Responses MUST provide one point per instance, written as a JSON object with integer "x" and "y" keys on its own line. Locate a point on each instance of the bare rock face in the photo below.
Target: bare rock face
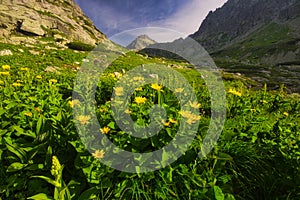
{"x": 46, "y": 18}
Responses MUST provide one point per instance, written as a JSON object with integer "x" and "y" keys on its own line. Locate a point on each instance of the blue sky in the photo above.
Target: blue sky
{"x": 115, "y": 16}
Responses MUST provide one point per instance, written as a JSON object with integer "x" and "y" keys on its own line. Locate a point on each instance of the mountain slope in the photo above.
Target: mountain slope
{"x": 141, "y": 42}
{"x": 61, "y": 19}
{"x": 258, "y": 32}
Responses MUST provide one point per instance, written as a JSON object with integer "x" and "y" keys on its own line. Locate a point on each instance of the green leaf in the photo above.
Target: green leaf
{"x": 19, "y": 152}
{"x": 40, "y": 124}
{"x": 15, "y": 167}
{"x": 49, "y": 180}
{"x": 40, "y": 196}
{"x": 111, "y": 125}
{"x": 219, "y": 195}
{"x": 89, "y": 194}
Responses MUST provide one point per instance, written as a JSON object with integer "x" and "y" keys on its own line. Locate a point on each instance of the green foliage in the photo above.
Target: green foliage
{"x": 257, "y": 155}
{"x": 80, "y": 46}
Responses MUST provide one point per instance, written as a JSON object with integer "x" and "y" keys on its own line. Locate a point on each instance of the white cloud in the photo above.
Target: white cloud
{"x": 188, "y": 18}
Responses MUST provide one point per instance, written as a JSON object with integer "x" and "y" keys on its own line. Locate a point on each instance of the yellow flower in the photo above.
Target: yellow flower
{"x": 73, "y": 103}
{"x": 83, "y": 119}
{"x": 119, "y": 91}
{"x": 193, "y": 119}
{"x": 185, "y": 113}
{"x": 179, "y": 90}
{"x": 139, "y": 89}
{"x": 38, "y": 109}
{"x": 105, "y": 130}
{"x": 16, "y": 84}
{"x": 6, "y": 67}
{"x": 140, "y": 100}
{"x": 127, "y": 111}
{"x": 38, "y": 76}
{"x": 165, "y": 123}
{"x": 173, "y": 121}
{"x": 98, "y": 154}
{"x": 4, "y": 73}
{"x": 286, "y": 113}
{"x": 264, "y": 101}
{"x": 28, "y": 114}
{"x": 138, "y": 78}
{"x": 195, "y": 104}
{"x": 24, "y": 69}
{"x": 156, "y": 86}
{"x": 234, "y": 92}
{"x": 52, "y": 81}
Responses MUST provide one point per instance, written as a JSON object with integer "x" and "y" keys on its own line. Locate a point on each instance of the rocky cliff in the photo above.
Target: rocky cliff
{"x": 62, "y": 20}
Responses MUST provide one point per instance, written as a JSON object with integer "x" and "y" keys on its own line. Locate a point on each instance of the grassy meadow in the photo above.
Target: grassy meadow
{"x": 42, "y": 157}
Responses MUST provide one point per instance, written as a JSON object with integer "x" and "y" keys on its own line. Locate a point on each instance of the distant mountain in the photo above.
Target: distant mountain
{"x": 141, "y": 42}
{"x": 257, "y": 32}
{"x": 28, "y": 21}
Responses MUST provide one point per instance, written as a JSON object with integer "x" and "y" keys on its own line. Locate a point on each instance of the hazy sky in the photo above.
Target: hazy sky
{"x": 115, "y": 16}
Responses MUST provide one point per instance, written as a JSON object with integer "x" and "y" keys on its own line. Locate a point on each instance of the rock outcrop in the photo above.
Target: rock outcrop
{"x": 59, "y": 19}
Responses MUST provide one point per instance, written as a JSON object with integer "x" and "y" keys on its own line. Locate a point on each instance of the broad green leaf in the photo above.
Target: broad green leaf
{"x": 19, "y": 152}
{"x": 15, "y": 167}
{"x": 218, "y": 193}
{"x": 40, "y": 196}
{"x": 89, "y": 194}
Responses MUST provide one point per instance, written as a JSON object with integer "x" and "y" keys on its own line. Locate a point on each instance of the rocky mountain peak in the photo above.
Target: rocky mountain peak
{"x": 141, "y": 42}
{"x": 60, "y": 19}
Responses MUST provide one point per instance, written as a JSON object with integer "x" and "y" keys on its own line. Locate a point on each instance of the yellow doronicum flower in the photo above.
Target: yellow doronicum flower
{"x": 24, "y": 69}
{"x": 105, "y": 130}
{"x": 234, "y": 92}
{"x": 83, "y": 119}
{"x": 264, "y": 101}
{"x": 138, "y": 78}
{"x": 195, "y": 104}
{"x": 16, "y": 84}
{"x": 286, "y": 113}
{"x": 38, "y": 76}
{"x": 119, "y": 91}
{"x": 179, "y": 90}
{"x": 28, "y": 114}
{"x": 98, "y": 154}
{"x": 140, "y": 100}
{"x": 185, "y": 113}
{"x": 156, "y": 87}
{"x": 127, "y": 111}
{"x": 6, "y": 67}
{"x": 173, "y": 121}
{"x": 165, "y": 123}
{"x": 52, "y": 81}
{"x": 139, "y": 89}
{"x": 73, "y": 103}
{"x": 193, "y": 119}
{"x": 4, "y": 73}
